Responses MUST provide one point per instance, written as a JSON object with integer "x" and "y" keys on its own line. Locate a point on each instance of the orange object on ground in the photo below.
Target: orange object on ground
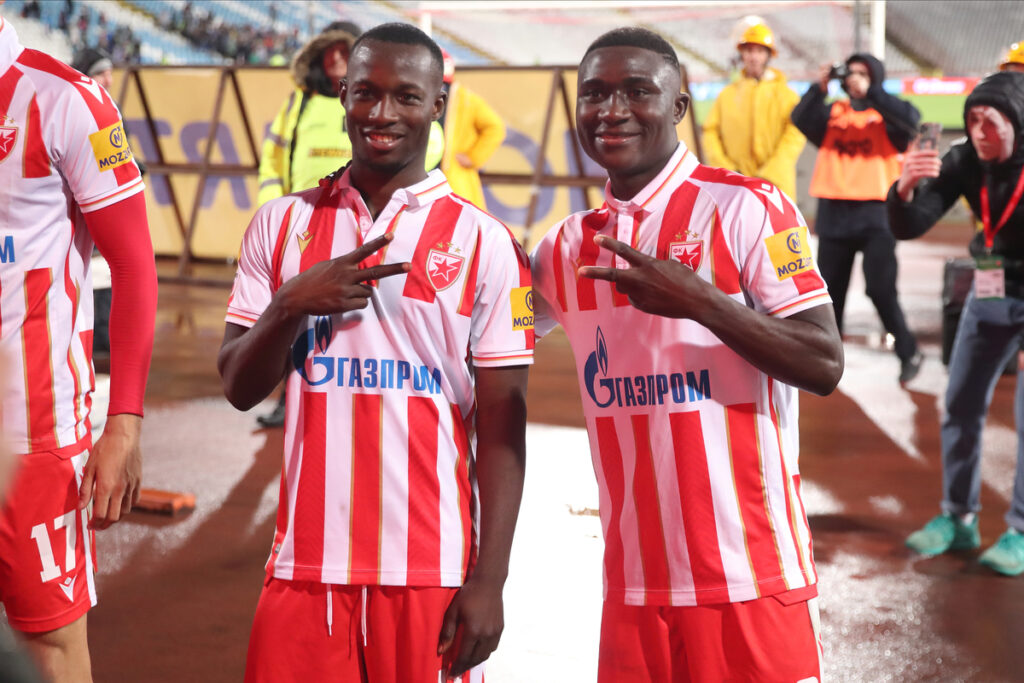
{"x": 164, "y": 502}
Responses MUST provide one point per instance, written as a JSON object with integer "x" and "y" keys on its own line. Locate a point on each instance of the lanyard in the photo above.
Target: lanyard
{"x": 986, "y": 218}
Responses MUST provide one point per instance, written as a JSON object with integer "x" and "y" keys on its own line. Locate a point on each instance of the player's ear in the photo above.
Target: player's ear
{"x": 680, "y": 106}
{"x": 439, "y": 103}
{"x": 342, "y": 90}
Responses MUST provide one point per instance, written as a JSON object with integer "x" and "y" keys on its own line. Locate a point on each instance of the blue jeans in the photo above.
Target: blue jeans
{"x": 986, "y": 339}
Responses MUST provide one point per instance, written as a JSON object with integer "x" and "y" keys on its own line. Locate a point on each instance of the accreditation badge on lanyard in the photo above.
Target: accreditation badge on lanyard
{"x": 989, "y": 275}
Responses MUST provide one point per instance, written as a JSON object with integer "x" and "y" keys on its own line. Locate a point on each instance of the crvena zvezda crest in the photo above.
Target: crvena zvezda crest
{"x": 690, "y": 254}
{"x": 8, "y": 136}
{"x": 443, "y": 268}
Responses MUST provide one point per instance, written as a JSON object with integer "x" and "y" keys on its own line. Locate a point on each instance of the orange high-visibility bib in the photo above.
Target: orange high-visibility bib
{"x": 856, "y": 160}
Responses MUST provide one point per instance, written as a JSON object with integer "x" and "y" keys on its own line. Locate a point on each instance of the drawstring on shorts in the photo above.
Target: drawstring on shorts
{"x": 364, "y": 616}
{"x": 330, "y": 612}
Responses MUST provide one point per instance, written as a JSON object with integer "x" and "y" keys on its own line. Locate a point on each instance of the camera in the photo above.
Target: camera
{"x": 839, "y": 70}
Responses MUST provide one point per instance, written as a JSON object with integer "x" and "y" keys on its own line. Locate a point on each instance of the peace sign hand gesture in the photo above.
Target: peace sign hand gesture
{"x": 339, "y": 284}
{"x": 665, "y": 288}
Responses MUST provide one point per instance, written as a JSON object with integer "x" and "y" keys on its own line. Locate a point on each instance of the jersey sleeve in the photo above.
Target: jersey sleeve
{"x": 778, "y": 271}
{"x": 545, "y": 294}
{"x": 502, "y": 321}
{"x": 255, "y": 279}
{"x": 89, "y": 145}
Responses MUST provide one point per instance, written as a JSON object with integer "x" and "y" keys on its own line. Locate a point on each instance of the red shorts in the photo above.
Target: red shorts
{"x": 373, "y": 634}
{"x": 770, "y": 639}
{"x": 46, "y": 548}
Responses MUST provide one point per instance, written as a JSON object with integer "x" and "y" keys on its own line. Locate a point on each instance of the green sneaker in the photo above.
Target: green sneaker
{"x": 943, "y": 533}
{"x": 1007, "y": 555}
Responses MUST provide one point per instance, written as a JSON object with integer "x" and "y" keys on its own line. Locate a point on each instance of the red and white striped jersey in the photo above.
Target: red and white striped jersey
{"x": 63, "y": 151}
{"x": 378, "y": 485}
{"x": 695, "y": 449}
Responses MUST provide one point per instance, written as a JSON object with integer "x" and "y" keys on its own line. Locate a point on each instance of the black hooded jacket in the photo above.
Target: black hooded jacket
{"x": 963, "y": 174}
{"x": 811, "y": 114}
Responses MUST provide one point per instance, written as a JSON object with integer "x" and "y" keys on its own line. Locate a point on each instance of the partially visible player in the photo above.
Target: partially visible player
{"x": 67, "y": 178}
{"x": 404, "y": 313}
{"x": 695, "y": 312}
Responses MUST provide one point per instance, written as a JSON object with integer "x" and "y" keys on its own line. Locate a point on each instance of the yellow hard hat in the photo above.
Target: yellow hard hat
{"x": 1015, "y": 55}
{"x": 758, "y": 34}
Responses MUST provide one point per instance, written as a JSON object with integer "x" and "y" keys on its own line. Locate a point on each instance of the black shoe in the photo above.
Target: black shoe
{"x": 274, "y": 418}
{"x": 910, "y": 367}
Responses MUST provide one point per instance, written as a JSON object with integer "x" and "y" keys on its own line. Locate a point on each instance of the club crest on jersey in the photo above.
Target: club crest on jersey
{"x": 444, "y": 265}
{"x": 8, "y": 138}
{"x": 690, "y": 254}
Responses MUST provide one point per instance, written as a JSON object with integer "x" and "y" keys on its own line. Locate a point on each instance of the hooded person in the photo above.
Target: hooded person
{"x": 95, "y": 63}
{"x": 307, "y": 139}
{"x": 860, "y": 141}
{"x": 748, "y": 128}
{"x": 987, "y": 169}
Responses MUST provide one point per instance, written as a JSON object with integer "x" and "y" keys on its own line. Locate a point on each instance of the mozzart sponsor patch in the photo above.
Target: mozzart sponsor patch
{"x": 790, "y": 252}
{"x": 522, "y": 308}
{"x": 110, "y": 147}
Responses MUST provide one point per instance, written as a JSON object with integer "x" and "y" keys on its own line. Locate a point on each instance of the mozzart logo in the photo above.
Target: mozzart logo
{"x": 313, "y": 364}
{"x": 521, "y": 301}
{"x": 790, "y": 252}
{"x": 110, "y": 147}
{"x": 640, "y": 390}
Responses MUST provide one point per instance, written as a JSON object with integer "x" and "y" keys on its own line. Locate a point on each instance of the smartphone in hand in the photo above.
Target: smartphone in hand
{"x": 928, "y": 138}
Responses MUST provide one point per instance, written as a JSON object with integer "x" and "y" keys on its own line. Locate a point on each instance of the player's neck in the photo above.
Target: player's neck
{"x": 376, "y": 186}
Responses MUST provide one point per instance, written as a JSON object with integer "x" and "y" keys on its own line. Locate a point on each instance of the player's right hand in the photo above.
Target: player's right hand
{"x": 339, "y": 285}
{"x": 918, "y": 164}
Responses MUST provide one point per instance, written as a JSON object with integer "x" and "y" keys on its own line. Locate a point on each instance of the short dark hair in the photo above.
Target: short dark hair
{"x": 635, "y": 36}
{"x": 405, "y": 34}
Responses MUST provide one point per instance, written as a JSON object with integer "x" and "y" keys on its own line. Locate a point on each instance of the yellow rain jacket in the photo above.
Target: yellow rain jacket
{"x": 472, "y": 128}
{"x": 748, "y": 130}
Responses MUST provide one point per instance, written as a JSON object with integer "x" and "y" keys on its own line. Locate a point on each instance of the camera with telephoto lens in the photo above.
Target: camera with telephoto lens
{"x": 838, "y": 70}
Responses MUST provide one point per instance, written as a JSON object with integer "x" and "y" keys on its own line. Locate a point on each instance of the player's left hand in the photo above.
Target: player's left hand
{"x": 472, "y": 626}
{"x": 113, "y": 473}
{"x": 665, "y": 288}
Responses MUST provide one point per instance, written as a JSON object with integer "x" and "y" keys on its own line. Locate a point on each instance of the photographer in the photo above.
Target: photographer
{"x": 987, "y": 170}
{"x": 859, "y": 143}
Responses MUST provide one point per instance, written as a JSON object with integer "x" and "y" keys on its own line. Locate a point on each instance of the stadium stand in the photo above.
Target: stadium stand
{"x": 103, "y": 19}
{"x": 931, "y": 38}
{"x": 943, "y": 41}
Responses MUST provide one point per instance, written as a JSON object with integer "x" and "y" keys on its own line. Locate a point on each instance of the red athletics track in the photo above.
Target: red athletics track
{"x": 177, "y": 594}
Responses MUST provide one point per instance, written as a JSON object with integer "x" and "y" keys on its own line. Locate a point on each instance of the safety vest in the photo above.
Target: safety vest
{"x": 856, "y": 160}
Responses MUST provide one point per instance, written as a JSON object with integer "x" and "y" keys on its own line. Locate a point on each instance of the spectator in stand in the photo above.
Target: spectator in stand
{"x": 1014, "y": 58}
{"x": 859, "y": 141}
{"x": 748, "y": 129}
{"x": 988, "y": 171}
{"x": 473, "y": 132}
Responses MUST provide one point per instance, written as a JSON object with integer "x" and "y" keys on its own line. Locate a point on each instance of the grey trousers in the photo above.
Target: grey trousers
{"x": 988, "y": 335}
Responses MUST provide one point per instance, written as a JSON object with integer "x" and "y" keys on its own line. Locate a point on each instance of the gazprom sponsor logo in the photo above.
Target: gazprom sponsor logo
{"x": 354, "y": 372}
{"x": 7, "y": 249}
{"x": 640, "y": 390}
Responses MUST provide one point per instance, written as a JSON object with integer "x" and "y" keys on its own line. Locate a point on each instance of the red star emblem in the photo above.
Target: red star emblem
{"x": 443, "y": 268}
{"x": 8, "y": 136}
{"x": 690, "y": 254}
